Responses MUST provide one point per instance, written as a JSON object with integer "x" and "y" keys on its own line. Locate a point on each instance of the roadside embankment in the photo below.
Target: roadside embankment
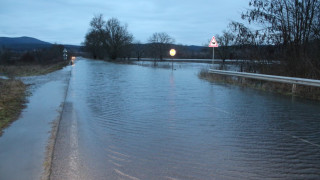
{"x": 24, "y": 145}
{"x": 13, "y": 91}
{"x": 12, "y": 99}
{"x": 280, "y": 88}
{"x": 31, "y": 70}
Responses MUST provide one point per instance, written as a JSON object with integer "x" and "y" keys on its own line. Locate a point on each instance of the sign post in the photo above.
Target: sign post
{"x": 212, "y": 55}
{"x": 65, "y": 54}
{"x": 213, "y": 43}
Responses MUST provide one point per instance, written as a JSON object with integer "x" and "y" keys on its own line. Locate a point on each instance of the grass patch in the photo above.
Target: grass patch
{"x": 307, "y": 92}
{"x": 31, "y": 70}
{"x": 13, "y": 92}
{"x": 12, "y": 100}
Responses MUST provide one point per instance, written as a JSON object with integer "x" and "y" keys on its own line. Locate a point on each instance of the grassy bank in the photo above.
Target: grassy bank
{"x": 281, "y": 88}
{"x": 13, "y": 92}
{"x": 31, "y": 70}
{"x": 12, "y": 99}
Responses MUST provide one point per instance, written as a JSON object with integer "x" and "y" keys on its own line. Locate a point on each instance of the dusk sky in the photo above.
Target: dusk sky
{"x": 67, "y": 21}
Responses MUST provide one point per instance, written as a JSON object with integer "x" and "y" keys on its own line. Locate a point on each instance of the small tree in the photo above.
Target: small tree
{"x": 225, "y": 42}
{"x": 160, "y": 44}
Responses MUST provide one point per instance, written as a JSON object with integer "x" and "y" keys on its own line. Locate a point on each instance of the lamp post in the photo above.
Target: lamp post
{"x": 172, "y": 54}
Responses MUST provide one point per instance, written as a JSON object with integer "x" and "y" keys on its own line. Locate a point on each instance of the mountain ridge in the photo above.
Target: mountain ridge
{"x": 21, "y": 40}
{"x": 26, "y": 43}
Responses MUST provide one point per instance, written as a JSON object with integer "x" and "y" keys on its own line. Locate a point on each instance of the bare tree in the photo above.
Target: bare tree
{"x": 160, "y": 44}
{"x": 117, "y": 38}
{"x": 291, "y": 23}
{"x": 107, "y": 38}
{"x": 225, "y": 42}
{"x": 94, "y": 39}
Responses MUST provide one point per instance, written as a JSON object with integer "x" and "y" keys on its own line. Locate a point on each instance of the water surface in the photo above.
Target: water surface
{"x": 135, "y": 122}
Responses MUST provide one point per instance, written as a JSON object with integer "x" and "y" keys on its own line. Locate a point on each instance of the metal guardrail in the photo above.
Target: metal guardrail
{"x": 283, "y": 79}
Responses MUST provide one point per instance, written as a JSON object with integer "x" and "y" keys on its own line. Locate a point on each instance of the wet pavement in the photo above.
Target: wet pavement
{"x": 23, "y": 143}
{"x": 135, "y": 122}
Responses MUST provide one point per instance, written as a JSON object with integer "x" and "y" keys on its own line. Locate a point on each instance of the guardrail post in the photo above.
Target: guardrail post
{"x": 294, "y": 88}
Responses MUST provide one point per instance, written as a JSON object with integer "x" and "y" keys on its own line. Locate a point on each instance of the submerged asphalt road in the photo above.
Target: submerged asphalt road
{"x": 136, "y": 122}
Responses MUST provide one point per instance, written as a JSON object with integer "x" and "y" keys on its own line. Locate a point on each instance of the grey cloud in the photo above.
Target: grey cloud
{"x": 67, "y": 21}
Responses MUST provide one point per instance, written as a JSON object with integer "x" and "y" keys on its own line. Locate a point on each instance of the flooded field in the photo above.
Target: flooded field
{"x": 137, "y": 122}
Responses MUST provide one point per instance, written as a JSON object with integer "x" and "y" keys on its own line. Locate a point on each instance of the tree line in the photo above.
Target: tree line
{"x": 286, "y": 31}
{"x": 111, "y": 39}
{"x": 48, "y": 55}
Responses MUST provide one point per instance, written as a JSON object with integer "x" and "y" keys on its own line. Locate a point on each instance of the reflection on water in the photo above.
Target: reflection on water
{"x": 138, "y": 122}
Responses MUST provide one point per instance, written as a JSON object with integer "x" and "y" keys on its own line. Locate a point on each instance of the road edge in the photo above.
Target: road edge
{"x": 47, "y": 164}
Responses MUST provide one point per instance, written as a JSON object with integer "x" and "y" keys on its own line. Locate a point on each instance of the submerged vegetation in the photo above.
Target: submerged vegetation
{"x": 13, "y": 92}
{"x": 12, "y": 98}
{"x": 281, "y": 88}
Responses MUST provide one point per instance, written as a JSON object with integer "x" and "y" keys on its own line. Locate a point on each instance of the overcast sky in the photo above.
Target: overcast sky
{"x": 189, "y": 22}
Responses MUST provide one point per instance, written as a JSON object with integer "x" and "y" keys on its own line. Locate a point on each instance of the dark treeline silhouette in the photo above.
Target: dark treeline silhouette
{"x": 51, "y": 54}
{"x": 111, "y": 40}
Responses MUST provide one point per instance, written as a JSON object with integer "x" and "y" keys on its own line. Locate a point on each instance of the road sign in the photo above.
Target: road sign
{"x": 213, "y": 42}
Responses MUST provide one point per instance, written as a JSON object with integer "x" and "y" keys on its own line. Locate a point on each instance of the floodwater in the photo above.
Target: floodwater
{"x": 136, "y": 122}
{"x": 23, "y": 143}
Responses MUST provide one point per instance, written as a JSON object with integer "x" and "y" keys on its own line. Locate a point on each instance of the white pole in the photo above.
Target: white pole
{"x": 212, "y": 55}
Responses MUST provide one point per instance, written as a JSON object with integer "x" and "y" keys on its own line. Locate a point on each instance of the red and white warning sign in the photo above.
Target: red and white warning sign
{"x": 213, "y": 42}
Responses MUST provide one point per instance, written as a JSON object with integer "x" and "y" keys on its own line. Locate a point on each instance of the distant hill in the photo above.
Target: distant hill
{"x": 28, "y": 43}
{"x": 21, "y": 40}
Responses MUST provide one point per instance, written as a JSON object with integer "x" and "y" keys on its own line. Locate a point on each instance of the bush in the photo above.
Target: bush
{"x": 27, "y": 58}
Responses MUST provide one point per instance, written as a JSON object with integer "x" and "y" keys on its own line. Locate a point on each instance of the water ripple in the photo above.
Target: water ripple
{"x": 146, "y": 123}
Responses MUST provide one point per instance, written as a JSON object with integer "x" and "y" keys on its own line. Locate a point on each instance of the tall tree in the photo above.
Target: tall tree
{"x": 107, "y": 38}
{"x": 160, "y": 44}
{"x": 95, "y": 38}
{"x": 117, "y": 37}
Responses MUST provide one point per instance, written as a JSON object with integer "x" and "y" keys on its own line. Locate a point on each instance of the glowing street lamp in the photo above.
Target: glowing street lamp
{"x": 172, "y": 54}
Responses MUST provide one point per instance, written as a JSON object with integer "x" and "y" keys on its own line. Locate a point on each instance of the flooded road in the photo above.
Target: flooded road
{"x": 23, "y": 144}
{"x": 135, "y": 122}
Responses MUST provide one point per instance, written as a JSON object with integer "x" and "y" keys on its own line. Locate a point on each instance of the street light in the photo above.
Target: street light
{"x": 172, "y": 54}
